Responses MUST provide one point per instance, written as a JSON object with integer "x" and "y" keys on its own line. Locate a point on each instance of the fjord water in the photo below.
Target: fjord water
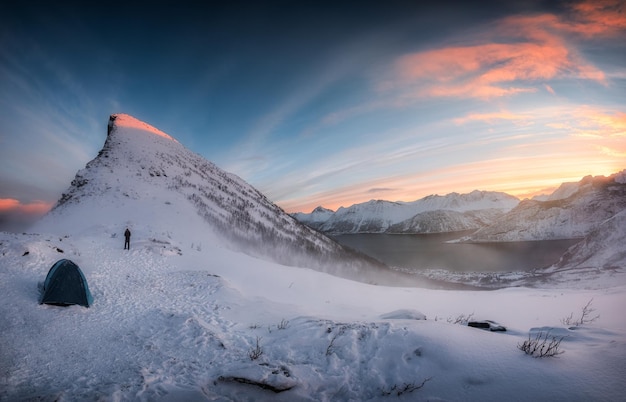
{"x": 418, "y": 252}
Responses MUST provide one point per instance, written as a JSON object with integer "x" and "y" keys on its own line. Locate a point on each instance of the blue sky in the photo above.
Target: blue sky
{"x": 319, "y": 103}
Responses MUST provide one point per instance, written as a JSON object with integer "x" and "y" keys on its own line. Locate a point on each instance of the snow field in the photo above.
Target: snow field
{"x": 166, "y": 326}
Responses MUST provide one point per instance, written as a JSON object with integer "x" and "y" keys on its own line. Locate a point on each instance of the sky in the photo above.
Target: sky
{"x": 319, "y": 103}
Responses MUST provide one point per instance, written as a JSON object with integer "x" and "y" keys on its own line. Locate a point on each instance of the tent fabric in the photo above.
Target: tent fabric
{"x": 65, "y": 285}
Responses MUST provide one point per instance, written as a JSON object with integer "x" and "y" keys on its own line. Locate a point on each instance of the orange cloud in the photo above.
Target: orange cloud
{"x": 10, "y": 205}
{"x": 517, "y": 56}
{"x": 596, "y": 17}
{"x": 549, "y": 89}
{"x": 587, "y": 121}
{"x": 491, "y": 70}
{"x": 524, "y": 50}
{"x": 613, "y": 152}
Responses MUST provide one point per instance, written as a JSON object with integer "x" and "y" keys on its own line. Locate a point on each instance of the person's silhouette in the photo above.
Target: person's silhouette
{"x": 127, "y": 241}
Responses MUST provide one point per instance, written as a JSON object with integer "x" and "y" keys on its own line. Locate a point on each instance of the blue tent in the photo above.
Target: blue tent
{"x": 66, "y": 285}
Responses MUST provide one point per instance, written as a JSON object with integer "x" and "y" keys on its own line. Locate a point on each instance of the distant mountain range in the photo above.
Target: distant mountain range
{"x": 571, "y": 211}
{"x": 593, "y": 209}
{"x": 432, "y": 214}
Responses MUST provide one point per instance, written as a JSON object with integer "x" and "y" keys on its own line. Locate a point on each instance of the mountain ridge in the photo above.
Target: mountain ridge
{"x": 140, "y": 168}
{"x": 455, "y": 212}
{"x": 573, "y": 211}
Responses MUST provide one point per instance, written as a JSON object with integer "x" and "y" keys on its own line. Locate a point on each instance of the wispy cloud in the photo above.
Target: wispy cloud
{"x": 260, "y": 141}
{"x": 343, "y": 62}
{"x": 603, "y": 131}
{"x": 596, "y": 17}
{"x": 615, "y": 153}
{"x": 524, "y": 52}
{"x": 490, "y": 117}
{"x": 48, "y": 117}
{"x": 549, "y": 89}
{"x": 377, "y": 190}
{"x": 592, "y": 122}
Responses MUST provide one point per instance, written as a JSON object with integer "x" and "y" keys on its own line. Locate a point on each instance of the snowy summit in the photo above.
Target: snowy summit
{"x": 222, "y": 296}
{"x": 173, "y": 197}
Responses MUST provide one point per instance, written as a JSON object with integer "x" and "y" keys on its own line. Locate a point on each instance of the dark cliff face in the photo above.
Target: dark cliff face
{"x": 111, "y": 124}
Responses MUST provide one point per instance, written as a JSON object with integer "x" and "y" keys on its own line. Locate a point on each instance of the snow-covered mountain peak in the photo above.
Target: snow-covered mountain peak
{"x": 474, "y": 200}
{"x": 168, "y": 195}
{"x": 321, "y": 209}
{"x": 135, "y": 165}
{"x": 621, "y": 177}
{"x": 315, "y": 218}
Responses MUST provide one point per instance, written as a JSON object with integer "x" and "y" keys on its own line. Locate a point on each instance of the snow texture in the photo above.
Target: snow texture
{"x": 185, "y": 315}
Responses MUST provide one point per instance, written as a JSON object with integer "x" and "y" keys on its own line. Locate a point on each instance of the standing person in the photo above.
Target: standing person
{"x": 127, "y": 241}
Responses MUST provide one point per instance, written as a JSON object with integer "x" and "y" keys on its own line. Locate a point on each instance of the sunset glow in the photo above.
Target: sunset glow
{"x": 126, "y": 121}
{"x": 15, "y": 214}
{"x": 36, "y": 207}
{"x": 388, "y": 101}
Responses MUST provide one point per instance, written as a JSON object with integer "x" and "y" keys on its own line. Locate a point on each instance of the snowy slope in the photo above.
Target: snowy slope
{"x": 565, "y": 190}
{"x": 214, "y": 324}
{"x": 459, "y": 211}
{"x": 145, "y": 180}
{"x": 442, "y": 221}
{"x": 475, "y": 200}
{"x": 369, "y": 217}
{"x": 604, "y": 248}
{"x": 595, "y": 200}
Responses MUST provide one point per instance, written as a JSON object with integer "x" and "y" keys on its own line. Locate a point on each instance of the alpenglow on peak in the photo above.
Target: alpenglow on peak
{"x": 131, "y": 123}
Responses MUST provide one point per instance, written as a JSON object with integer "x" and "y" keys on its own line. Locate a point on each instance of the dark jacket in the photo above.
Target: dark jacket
{"x": 127, "y": 234}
